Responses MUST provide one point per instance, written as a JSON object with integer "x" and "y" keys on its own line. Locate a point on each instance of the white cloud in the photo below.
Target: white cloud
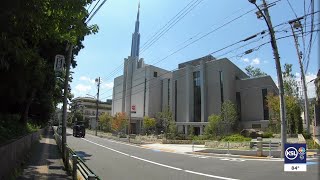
{"x": 84, "y": 78}
{"x": 83, "y": 88}
{"x": 107, "y": 85}
{"x": 245, "y": 60}
{"x": 265, "y": 62}
{"x": 310, "y": 85}
{"x": 255, "y": 61}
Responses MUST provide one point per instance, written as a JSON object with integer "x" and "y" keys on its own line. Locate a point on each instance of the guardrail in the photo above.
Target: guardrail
{"x": 76, "y": 165}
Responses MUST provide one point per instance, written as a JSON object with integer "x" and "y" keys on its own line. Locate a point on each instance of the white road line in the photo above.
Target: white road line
{"x": 159, "y": 164}
{"x": 246, "y": 159}
{"x": 208, "y": 175}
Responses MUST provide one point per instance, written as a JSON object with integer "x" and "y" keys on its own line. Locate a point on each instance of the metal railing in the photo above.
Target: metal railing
{"x": 76, "y": 166}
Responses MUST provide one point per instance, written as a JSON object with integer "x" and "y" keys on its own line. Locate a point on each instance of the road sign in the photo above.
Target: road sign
{"x": 295, "y": 157}
{"x": 133, "y": 109}
{"x": 59, "y": 63}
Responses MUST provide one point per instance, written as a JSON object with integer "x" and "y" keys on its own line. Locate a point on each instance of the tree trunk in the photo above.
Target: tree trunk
{"x": 24, "y": 114}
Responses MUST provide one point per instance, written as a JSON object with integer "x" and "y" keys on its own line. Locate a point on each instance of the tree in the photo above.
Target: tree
{"x": 290, "y": 85}
{"x": 166, "y": 123}
{"x": 224, "y": 123}
{"x": 213, "y": 128}
{"x": 254, "y": 72}
{"x": 293, "y": 114}
{"x": 105, "y": 120}
{"x": 229, "y": 115}
{"x": 32, "y": 33}
{"x": 149, "y": 124}
{"x": 119, "y": 122}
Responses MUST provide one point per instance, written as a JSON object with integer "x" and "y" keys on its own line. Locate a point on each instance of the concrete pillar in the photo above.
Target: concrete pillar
{"x": 189, "y": 94}
{"x": 201, "y": 130}
{"x": 259, "y": 147}
{"x": 203, "y": 92}
{"x": 130, "y": 69}
{"x": 186, "y": 129}
{"x": 123, "y": 107}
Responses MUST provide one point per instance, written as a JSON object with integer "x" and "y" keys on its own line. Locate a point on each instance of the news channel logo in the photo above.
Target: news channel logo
{"x": 295, "y": 153}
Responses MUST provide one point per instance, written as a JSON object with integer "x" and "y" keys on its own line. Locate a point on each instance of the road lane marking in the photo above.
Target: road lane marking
{"x": 159, "y": 164}
{"x": 241, "y": 157}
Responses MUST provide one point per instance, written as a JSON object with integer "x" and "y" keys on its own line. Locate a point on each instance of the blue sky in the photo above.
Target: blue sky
{"x": 104, "y": 52}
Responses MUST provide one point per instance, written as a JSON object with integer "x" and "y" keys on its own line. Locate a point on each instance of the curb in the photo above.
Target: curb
{"x": 230, "y": 155}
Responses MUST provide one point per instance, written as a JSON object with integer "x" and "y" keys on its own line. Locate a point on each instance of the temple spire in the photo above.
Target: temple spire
{"x": 135, "y": 46}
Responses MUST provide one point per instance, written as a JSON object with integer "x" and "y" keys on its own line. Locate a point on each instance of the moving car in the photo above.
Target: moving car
{"x": 79, "y": 130}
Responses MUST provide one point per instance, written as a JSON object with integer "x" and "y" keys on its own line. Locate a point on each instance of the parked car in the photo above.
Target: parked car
{"x": 79, "y": 131}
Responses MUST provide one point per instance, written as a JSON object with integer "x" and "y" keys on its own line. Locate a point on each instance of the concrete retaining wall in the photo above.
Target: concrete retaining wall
{"x": 13, "y": 153}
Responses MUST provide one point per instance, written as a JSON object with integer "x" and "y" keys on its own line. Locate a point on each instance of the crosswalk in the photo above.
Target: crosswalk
{"x": 221, "y": 158}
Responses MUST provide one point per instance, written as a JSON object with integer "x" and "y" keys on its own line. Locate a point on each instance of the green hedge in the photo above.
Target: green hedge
{"x": 236, "y": 138}
{"x": 311, "y": 144}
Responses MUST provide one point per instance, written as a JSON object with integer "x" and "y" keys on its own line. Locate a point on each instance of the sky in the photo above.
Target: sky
{"x": 212, "y": 20}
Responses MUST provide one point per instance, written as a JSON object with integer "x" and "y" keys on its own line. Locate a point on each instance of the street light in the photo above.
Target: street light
{"x": 266, "y": 17}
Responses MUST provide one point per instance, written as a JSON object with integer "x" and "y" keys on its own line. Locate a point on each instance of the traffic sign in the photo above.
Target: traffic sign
{"x": 295, "y": 157}
{"x": 133, "y": 109}
{"x": 59, "y": 63}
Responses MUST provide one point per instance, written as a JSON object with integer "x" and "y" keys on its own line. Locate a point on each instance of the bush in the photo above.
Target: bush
{"x": 311, "y": 144}
{"x": 307, "y": 135}
{"x": 236, "y": 138}
{"x": 11, "y": 128}
{"x": 201, "y": 137}
{"x": 267, "y": 135}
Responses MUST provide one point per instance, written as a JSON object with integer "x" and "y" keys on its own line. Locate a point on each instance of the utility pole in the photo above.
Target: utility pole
{"x": 266, "y": 17}
{"x": 295, "y": 24}
{"x": 65, "y": 104}
{"x": 97, "y": 112}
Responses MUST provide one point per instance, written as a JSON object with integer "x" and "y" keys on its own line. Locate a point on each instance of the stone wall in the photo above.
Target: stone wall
{"x": 224, "y": 145}
{"x": 14, "y": 152}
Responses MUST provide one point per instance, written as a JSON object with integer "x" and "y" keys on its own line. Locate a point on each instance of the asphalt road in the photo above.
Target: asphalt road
{"x": 115, "y": 160}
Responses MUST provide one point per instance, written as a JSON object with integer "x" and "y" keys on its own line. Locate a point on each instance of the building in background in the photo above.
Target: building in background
{"x": 88, "y": 107}
{"x": 193, "y": 92}
{"x": 199, "y": 88}
{"x": 137, "y": 91}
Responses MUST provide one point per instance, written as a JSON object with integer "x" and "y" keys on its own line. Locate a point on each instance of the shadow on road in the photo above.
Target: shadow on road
{"x": 83, "y": 155}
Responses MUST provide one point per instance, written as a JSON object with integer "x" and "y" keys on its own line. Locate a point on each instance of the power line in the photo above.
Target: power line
{"x": 178, "y": 68}
{"x": 96, "y": 11}
{"x": 292, "y": 9}
{"x": 183, "y": 75}
{"x": 93, "y": 7}
{"x": 196, "y": 36}
{"x": 311, "y": 36}
{"x": 161, "y": 29}
{"x": 149, "y": 39}
{"x": 218, "y": 28}
{"x": 171, "y": 23}
{"x": 208, "y": 32}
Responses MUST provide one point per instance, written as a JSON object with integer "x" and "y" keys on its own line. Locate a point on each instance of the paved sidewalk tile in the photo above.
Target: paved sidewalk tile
{"x": 45, "y": 161}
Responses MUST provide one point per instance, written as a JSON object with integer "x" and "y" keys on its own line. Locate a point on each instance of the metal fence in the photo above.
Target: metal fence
{"x": 75, "y": 164}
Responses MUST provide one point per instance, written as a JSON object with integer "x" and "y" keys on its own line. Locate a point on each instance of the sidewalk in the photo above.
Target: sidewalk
{"x": 45, "y": 161}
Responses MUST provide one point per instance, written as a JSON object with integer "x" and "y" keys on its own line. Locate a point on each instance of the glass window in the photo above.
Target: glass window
{"x": 155, "y": 74}
{"x": 175, "y": 99}
{"x": 265, "y": 104}
{"x": 221, "y": 86}
{"x": 238, "y": 99}
{"x": 168, "y": 93}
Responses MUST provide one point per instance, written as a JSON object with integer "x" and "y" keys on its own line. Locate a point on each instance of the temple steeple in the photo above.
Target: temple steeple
{"x": 135, "y": 45}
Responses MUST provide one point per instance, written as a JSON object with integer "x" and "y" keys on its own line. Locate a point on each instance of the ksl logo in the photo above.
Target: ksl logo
{"x": 291, "y": 153}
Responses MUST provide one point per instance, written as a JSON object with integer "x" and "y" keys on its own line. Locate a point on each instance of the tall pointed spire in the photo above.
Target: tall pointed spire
{"x": 135, "y": 46}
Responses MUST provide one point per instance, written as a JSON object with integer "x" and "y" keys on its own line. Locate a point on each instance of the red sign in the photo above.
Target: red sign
{"x": 133, "y": 107}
